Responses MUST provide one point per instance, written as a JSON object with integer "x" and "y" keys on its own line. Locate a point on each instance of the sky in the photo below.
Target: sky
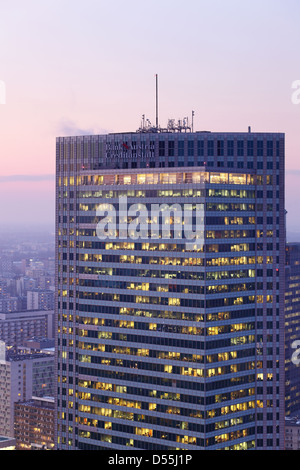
{"x": 73, "y": 67}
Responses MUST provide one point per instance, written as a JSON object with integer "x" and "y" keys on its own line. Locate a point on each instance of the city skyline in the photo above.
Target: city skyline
{"x": 150, "y": 231}
{"x": 229, "y": 62}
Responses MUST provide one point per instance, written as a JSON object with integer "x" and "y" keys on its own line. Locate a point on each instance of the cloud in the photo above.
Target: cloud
{"x": 26, "y": 178}
{"x": 66, "y": 127}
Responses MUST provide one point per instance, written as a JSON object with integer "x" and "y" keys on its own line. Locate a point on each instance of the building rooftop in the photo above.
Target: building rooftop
{"x": 12, "y": 356}
{"x": 7, "y": 442}
{"x": 292, "y": 421}
{"x": 39, "y": 402}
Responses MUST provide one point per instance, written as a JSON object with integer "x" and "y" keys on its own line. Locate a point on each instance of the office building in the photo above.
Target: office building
{"x": 167, "y": 340}
{"x": 292, "y": 328}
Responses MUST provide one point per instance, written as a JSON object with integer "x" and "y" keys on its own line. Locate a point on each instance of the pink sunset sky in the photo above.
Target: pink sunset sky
{"x": 73, "y": 67}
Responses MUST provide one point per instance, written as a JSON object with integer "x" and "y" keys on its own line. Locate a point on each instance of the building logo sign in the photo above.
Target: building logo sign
{"x": 129, "y": 151}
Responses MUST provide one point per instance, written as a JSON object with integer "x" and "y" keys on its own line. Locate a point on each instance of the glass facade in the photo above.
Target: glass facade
{"x": 292, "y": 322}
{"x": 163, "y": 344}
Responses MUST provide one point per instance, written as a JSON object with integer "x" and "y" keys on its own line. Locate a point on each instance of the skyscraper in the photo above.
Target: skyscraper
{"x": 164, "y": 342}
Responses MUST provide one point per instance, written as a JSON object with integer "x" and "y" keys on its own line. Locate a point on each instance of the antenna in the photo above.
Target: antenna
{"x": 156, "y": 77}
{"x": 182, "y": 125}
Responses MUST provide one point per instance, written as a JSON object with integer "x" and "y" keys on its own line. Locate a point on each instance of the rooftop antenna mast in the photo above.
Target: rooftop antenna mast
{"x": 156, "y": 80}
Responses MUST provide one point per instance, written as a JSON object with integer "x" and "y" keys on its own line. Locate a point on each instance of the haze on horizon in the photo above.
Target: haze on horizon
{"x": 73, "y": 68}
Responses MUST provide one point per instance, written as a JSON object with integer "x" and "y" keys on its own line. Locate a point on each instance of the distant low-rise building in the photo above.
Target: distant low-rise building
{"x": 6, "y": 267}
{"x": 292, "y": 433}
{"x": 21, "y": 377}
{"x": 39, "y": 299}
{"x": 34, "y": 424}
{"x": 17, "y": 327}
{"x": 9, "y": 304}
{"x": 40, "y": 344}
